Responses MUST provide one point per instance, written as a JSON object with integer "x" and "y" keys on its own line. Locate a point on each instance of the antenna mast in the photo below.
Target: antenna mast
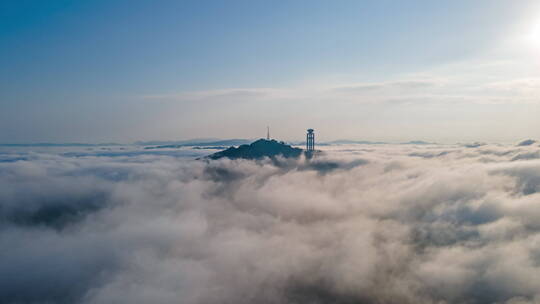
{"x": 267, "y": 133}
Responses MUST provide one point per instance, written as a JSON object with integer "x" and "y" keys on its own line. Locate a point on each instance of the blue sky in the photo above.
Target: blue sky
{"x": 93, "y": 71}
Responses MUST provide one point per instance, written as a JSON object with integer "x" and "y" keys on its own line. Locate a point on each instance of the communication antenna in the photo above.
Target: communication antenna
{"x": 267, "y": 133}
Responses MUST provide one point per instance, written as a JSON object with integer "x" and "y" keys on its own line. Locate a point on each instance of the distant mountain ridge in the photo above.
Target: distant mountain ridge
{"x": 354, "y": 142}
{"x": 417, "y": 142}
{"x": 220, "y": 143}
{"x": 45, "y": 144}
{"x": 176, "y": 142}
{"x": 209, "y": 142}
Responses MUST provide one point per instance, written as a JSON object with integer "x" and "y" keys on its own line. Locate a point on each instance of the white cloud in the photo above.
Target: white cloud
{"x": 387, "y": 225}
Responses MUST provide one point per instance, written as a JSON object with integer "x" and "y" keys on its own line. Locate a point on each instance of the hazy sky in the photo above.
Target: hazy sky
{"x": 445, "y": 71}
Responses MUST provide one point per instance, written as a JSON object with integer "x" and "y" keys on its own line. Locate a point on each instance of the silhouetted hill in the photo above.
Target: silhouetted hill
{"x": 417, "y": 142}
{"x": 259, "y": 149}
{"x": 474, "y": 144}
{"x": 527, "y": 142}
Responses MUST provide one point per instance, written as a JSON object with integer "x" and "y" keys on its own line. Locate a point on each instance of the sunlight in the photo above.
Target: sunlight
{"x": 533, "y": 35}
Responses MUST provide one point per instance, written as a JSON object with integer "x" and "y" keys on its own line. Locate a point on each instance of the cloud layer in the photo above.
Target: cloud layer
{"x": 364, "y": 224}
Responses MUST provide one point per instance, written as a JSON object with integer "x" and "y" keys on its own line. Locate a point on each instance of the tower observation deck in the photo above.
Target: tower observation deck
{"x": 310, "y": 140}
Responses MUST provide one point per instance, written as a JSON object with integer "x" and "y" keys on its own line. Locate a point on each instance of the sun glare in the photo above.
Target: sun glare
{"x": 533, "y": 36}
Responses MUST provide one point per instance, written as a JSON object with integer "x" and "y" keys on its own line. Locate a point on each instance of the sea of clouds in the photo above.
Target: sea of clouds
{"x": 360, "y": 224}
